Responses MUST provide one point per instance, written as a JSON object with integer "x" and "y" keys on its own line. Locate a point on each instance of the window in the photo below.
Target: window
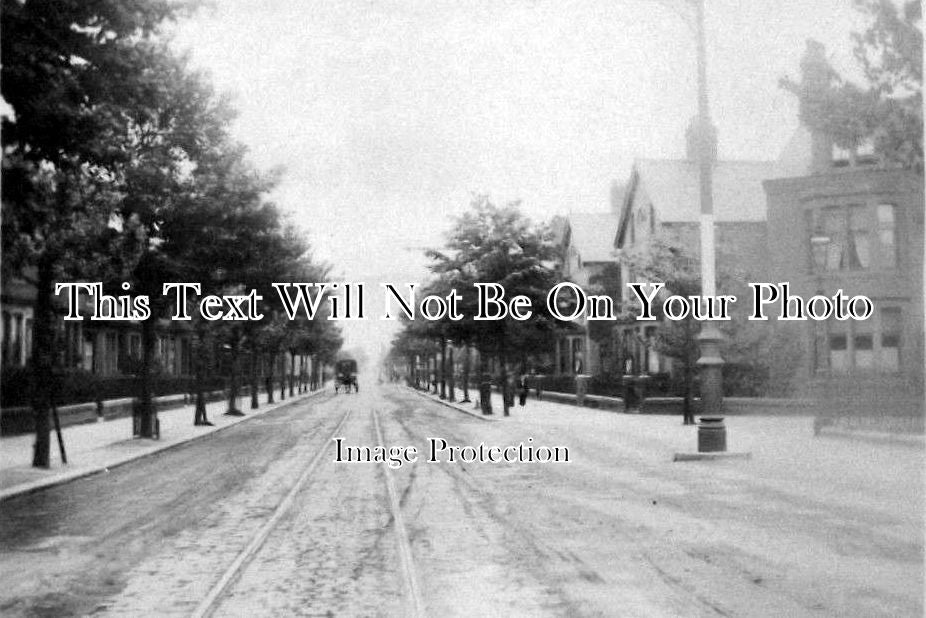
{"x": 863, "y": 346}
{"x": 135, "y": 346}
{"x": 891, "y": 329}
{"x": 27, "y": 339}
{"x": 887, "y": 235}
{"x": 652, "y": 356}
{"x": 7, "y": 344}
{"x": 111, "y": 353}
{"x": 856, "y": 254}
{"x": 88, "y": 352}
{"x": 853, "y": 237}
{"x": 838, "y": 340}
{"x": 576, "y": 353}
{"x": 17, "y": 355}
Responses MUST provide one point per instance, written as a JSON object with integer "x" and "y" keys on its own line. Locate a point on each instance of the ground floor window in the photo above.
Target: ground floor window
{"x": 861, "y": 346}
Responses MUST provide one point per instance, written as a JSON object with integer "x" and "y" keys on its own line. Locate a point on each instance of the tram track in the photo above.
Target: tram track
{"x": 409, "y": 574}
{"x": 227, "y": 585}
{"x": 214, "y": 597}
{"x": 529, "y": 541}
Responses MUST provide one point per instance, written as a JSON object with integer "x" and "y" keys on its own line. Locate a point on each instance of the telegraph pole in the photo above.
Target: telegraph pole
{"x": 711, "y": 432}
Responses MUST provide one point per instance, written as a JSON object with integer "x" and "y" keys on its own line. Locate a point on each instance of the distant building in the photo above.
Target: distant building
{"x": 587, "y": 249}
{"x": 663, "y": 200}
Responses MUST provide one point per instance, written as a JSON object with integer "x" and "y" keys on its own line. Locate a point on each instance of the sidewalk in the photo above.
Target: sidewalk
{"x": 916, "y": 441}
{"x": 96, "y": 447}
{"x": 472, "y": 407}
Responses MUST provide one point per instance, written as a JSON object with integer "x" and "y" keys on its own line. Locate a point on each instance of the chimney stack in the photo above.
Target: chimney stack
{"x": 817, "y": 77}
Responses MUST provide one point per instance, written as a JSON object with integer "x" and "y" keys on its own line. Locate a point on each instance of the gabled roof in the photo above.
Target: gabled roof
{"x": 592, "y": 234}
{"x": 673, "y": 186}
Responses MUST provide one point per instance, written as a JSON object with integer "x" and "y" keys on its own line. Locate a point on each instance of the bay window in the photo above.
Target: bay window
{"x": 852, "y": 237}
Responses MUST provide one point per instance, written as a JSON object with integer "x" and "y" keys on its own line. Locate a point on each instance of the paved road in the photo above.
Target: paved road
{"x": 620, "y": 530}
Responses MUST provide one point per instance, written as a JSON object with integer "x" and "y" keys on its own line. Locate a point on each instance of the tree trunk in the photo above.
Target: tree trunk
{"x": 292, "y": 371}
{"x": 466, "y": 361}
{"x": 688, "y": 417}
{"x": 443, "y": 368}
{"x": 199, "y": 415}
{"x": 43, "y": 346}
{"x": 269, "y": 378}
{"x": 253, "y": 377}
{"x": 146, "y": 411}
{"x": 234, "y": 385}
{"x": 502, "y": 359}
{"x": 452, "y": 379}
{"x": 282, "y": 360}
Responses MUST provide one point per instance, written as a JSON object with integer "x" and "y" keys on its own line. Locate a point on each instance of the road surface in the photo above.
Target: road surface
{"x": 260, "y": 520}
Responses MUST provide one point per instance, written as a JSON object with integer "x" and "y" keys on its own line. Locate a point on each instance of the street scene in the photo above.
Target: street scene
{"x": 492, "y": 308}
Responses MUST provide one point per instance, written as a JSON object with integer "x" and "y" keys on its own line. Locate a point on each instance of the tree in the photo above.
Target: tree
{"x": 74, "y": 75}
{"x": 888, "y": 109}
{"x": 757, "y": 358}
{"x": 492, "y": 244}
{"x": 662, "y": 262}
{"x": 412, "y": 344}
{"x": 163, "y": 188}
{"x": 318, "y": 338}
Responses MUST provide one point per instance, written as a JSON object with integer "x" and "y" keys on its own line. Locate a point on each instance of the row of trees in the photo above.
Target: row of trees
{"x": 488, "y": 244}
{"x": 118, "y": 166}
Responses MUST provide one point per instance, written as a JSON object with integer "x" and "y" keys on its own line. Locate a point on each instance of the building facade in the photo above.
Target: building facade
{"x": 105, "y": 348}
{"x": 856, "y": 228}
{"x": 662, "y": 204}
{"x": 587, "y": 254}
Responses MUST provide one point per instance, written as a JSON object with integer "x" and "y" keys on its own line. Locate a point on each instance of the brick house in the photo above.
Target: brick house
{"x": 850, "y": 223}
{"x": 663, "y": 201}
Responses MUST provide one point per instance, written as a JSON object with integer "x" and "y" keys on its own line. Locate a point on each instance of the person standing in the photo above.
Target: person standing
{"x": 522, "y": 390}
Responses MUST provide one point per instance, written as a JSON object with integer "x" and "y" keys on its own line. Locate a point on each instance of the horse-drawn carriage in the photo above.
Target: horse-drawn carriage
{"x": 345, "y": 376}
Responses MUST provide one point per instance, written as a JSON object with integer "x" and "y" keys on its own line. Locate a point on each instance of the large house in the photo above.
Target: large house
{"x": 849, "y": 222}
{"x": 663, "y": 201}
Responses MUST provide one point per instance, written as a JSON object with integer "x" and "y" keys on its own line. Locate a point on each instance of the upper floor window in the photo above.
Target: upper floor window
{"x": 887, "y": 235}
{"x": 853, "y": 237}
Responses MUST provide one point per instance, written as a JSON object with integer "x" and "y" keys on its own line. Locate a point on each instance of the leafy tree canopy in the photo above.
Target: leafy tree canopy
{"x": 888, "y": 109}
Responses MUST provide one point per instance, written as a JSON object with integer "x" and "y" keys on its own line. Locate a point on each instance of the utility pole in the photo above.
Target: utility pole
{"x": 712, "y": 436}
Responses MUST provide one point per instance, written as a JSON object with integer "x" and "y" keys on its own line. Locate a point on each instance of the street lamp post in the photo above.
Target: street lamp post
{"x": 711, "y": 431}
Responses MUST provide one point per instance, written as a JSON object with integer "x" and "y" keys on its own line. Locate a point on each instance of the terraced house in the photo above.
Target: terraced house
{"x": 105, "y": 348}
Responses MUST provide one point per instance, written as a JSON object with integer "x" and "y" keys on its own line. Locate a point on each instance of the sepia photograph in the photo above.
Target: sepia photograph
{"x": 462, "y": 308}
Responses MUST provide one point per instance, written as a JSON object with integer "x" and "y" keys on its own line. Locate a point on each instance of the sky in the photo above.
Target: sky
{"x": 388, "y": 115}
